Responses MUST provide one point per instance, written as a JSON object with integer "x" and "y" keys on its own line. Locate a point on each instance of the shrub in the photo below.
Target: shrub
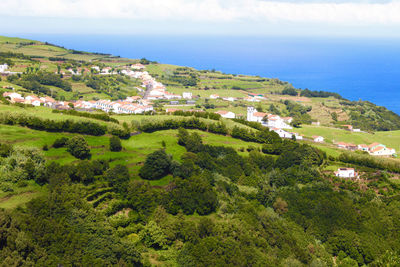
{"x": 115, "y": 144}
{"x": 157, "y": 165}
{"x": 60, "y": 142}
{"x": 78, "y": 147}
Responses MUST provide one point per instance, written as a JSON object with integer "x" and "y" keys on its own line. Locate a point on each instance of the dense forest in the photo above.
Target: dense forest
{"x": 271, "y": 208}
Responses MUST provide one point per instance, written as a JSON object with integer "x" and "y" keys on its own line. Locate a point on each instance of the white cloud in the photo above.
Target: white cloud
{"x": 339, "y": 12}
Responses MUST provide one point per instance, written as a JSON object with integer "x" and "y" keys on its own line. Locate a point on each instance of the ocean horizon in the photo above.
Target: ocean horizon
{"x": 356, "y": 68}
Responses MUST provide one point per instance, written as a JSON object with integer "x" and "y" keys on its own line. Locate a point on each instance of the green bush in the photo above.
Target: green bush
{"x": 78, "y": 147}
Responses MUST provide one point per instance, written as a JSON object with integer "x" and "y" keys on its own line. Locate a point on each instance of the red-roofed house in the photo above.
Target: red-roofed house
{"x": 226, "y": 114}
{"x": 318, "y": 139}
{"x": 377, "y": 149}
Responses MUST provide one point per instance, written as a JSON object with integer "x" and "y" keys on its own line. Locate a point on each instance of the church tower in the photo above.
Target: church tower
{"x": 250, "y": 112}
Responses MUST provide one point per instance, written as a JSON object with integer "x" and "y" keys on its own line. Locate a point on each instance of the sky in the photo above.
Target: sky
{"x": 365, "y": 18}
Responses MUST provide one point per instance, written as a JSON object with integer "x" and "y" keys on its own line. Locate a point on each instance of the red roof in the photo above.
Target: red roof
{"x": 373, "y": 145}
{"x": 378, "y": 148}
{"x": 260, "y": 114}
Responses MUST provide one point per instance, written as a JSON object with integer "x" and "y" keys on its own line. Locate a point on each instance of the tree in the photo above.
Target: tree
{"x": 280, "y": 206}
{"x": 194, "y": 194}
{"x": 334, "y": 116}
{"x": 118, "y": 177}
{"x": 115, "y": 144}
{"x": 153, "y": 236}
{"x": 156, "y": 166}
{"x": 78, "y": 147}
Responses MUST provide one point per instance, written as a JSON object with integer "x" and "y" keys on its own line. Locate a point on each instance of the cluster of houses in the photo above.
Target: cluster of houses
{"x": 131, "y": 105}
{"x": 374, "y": 149}
{"x": 251, "y": 97}
{"x": 268, "y": 120}
{"x": 30, "y": 99}
{"x": 133, "y": 70}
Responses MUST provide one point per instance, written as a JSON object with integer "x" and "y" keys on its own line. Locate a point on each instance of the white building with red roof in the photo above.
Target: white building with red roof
{"x": 269, "y": 120}
{"x": 226, "y": 114}
{"x": 318, "y": 139}
{"x": 363, "y": 147}
{"x": 12, "y": 96}
{"x": 377, "y": 149}
{"x": 214, "y": 96}
{"x": 33, "y": 100}
{"x": 138, "y": 66}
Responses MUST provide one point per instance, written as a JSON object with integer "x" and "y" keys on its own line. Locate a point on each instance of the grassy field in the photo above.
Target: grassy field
{"x": 389, "y": 138}
{"x": 20, "y": 195}
{"x": 135, "y": 149}
{"x": 46, "y": 113}
{"x": 133, "y": 154}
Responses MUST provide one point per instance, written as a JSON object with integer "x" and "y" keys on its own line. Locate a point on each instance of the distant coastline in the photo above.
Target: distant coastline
{"x": 356, "y": 69}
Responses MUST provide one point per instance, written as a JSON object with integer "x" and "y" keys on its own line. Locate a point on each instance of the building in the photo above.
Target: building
{"x": 231, "y": 99}
{"x": 377, "y": 149}
{"x": 133, "y": 98}
{"x": 282, "y": 133}
{"x": 251, "y": 99}
{"x": 12, "y": 95}
{"x": 363, "y": 147}
{"x": 187, "y": 95}
{"x": 318, "y": 139}
{"x": 226, "y": 114}
{"x": 346, "y": 173}
{"x": 214, "y": 96}
{"x": 253, "y": 115}
{"x": 138, "y": 66}
{"x": 3, "y": 68}
{"x": 33, "y": 100}
{"x": 277, "y": 122}
{"x": 256, "y": 96}
{"x": 168, "y": 95}
{"x": 298, "y": 136}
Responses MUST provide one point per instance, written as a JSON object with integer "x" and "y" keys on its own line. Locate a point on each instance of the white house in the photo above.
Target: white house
{"x": 33, "y": 100}
{"x": 3, "y": 68}
{"x": 278, "y": 122}
{"x": 363, "y": 147}
{"x": 96, "y": 68}
{"x": 377, "y": 149}
{"x": 138, "y": 66}
{"x": 318, "y": 139}
{"x": 231, "y": 99}
{"x": 187, "y": 95}
{"x": 48, "y": 101}
{"x": 346, "y": 173}
{"x": 12, "y": 95}
{"x": 226, "y": 114}
{"x": 214, "y": 96}
{"x": 298, "y": 136}
{"x": 251, "y": 99}
{"x": 282, "y": 133}
{"x": 169, "y": 95}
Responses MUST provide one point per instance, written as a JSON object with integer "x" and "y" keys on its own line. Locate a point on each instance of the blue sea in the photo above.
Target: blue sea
{"x": 367, "y": 69}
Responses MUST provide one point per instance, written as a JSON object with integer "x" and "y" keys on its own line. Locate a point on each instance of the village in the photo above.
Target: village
{"x": 153, "y": 90}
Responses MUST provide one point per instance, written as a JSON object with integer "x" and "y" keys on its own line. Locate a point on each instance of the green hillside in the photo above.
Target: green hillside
{"x": 84, "y": 188}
